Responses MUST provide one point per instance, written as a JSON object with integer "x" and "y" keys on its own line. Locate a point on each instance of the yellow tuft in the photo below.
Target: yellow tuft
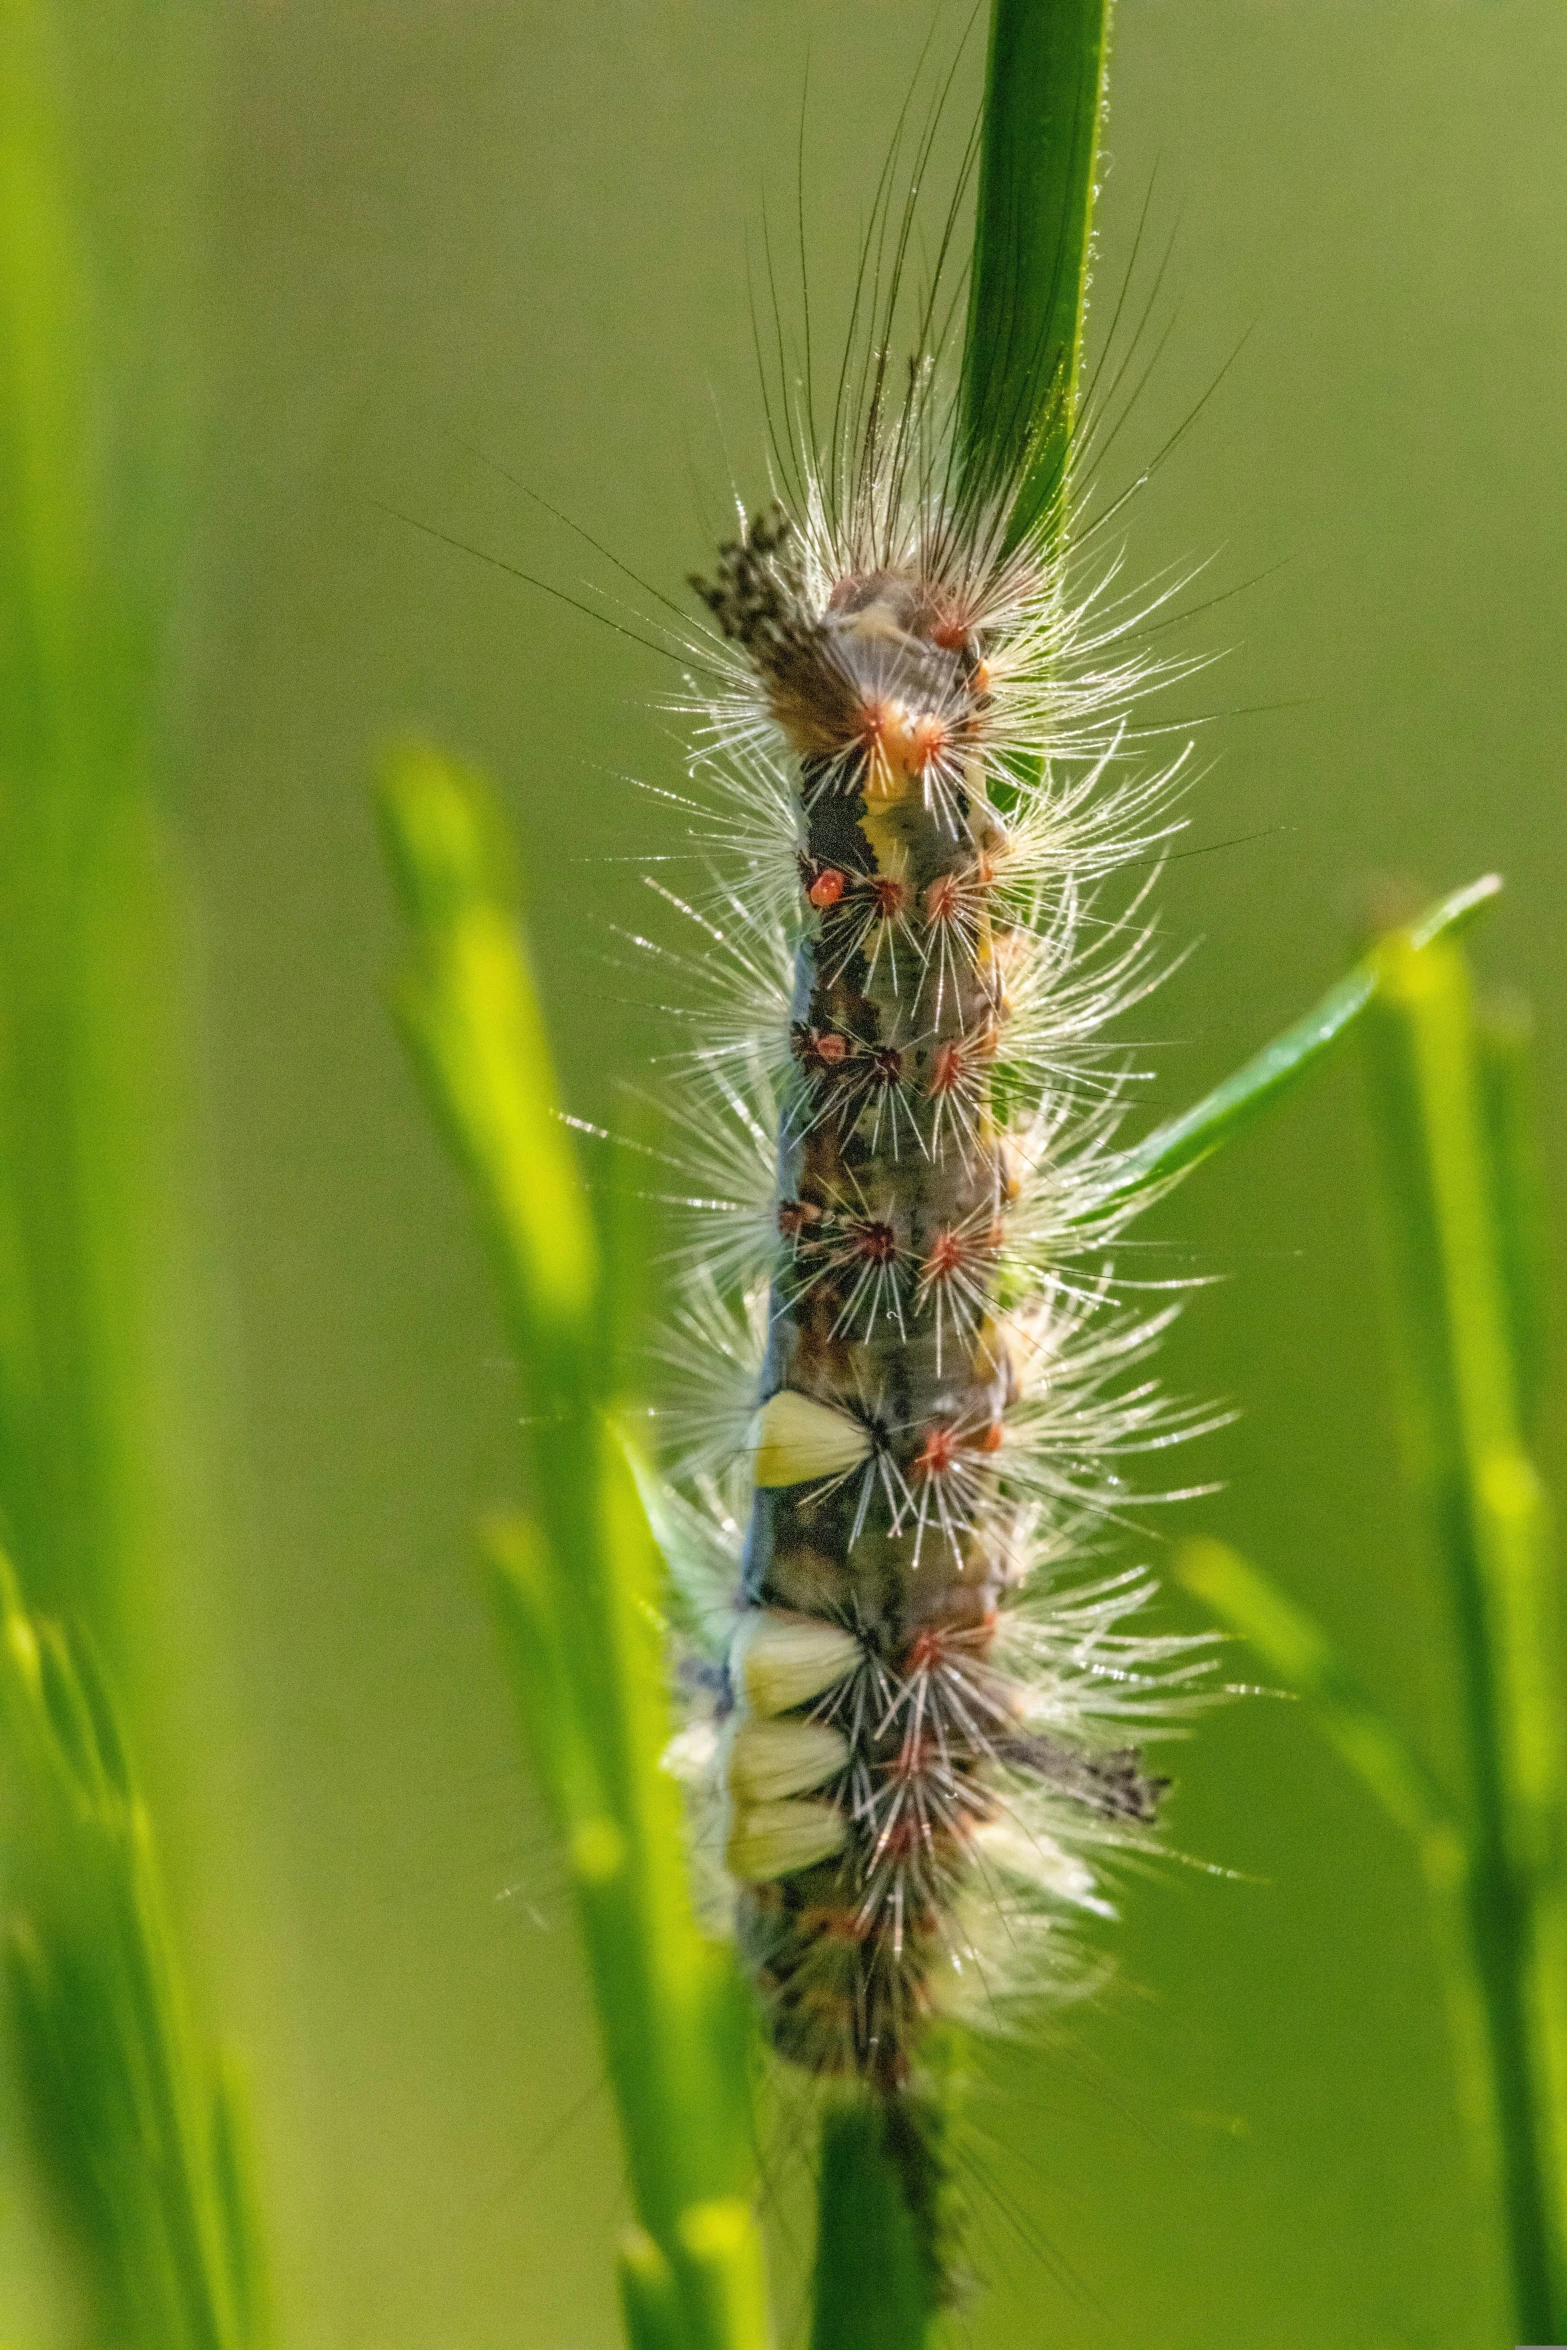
{"x": 768, "y": 1760}
{"x": 778, "y": 1661}
{"x": 796, "y": 1439}
{"x": 775, "y": 1839}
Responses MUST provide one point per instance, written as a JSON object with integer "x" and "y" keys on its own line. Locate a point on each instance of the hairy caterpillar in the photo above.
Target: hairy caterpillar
{"x": 911, "y": 1375}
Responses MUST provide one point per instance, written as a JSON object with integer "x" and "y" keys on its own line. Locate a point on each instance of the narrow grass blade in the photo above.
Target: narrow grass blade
{"x": 1182, "y": 1143}
{"x": 1489, "y": 1526}
{"x": 1295, "y": 1648}
{"x": 92, "y": 341}
{"x": 1290, "y": 1644}
{"x": 1044, "y": 85}
{"x": 143, "y": 2147}
{"x": 1505, "y": 1032}
{"x": 577, "y": 1582}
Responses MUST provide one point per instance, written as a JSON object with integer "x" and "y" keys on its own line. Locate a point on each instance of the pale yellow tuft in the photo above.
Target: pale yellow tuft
{"x": 774, "y": 1839}
{"x": 778, "y": 1661}
{"x": 768, "y": 1760}
{"x": 796, "y": 1439}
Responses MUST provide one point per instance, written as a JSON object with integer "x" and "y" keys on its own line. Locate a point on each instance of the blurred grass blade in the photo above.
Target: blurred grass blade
{"x": 1505, "y": 1033}
{"x": 142, "y": 2147}
{"x": 475, "y": 1023}
{"x": 649, "y": 2301}
{"x": 94, "y": 362}
{"x": 1295, "y": 1648}
{"x": 577, "y": 1582}
{"x": 1044, "y": 84}
{"x": 1290, "y": 1644}
{"x": 1489, "y": 1526}
{"x": 233, "y": 2169}
{"x": 872, "y": 2288}
{"x": 1183, "y": 1142}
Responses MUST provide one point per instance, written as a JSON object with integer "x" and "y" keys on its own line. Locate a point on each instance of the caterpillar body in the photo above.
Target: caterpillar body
{"x": 931, "y": 1699}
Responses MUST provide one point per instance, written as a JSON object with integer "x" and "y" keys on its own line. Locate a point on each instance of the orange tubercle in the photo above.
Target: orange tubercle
{"x": 927, "y": 739}
{"x": 948, "y": 1068}
{"x": 947, "y": 1252}
{"x": 937, "y": 1453}
{"x": 943, "y": 898}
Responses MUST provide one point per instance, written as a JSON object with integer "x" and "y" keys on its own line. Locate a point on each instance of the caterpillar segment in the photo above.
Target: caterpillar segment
{"x": 877, "y": 1737}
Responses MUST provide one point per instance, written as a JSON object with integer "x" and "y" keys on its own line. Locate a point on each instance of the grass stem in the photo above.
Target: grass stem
{"x": 577, "y": 1582}
{"x": 1044, "y": 94}
{"x": 1489, "y": 1523}
{"x": 145, "y": 2145}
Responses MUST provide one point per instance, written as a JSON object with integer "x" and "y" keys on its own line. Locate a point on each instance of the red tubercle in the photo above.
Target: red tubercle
{"x": 948, "y": 1254}
{"x": 821, "y": 1048}
{"x": 936, "y": 1645}
{"x": 950, "y": 620}
{"x": 891, "y": 896}
{"x": 876, "y": 1242}
{"x": 948, "y": 1069}
{"x": 944, "y": 898}
{"x": 925, "y": 1650}
{"x": 876, "y": 724}
{"x": 928, "y": 740}
{"x": 937, "y": 1454}
{"x": 827, "y": 889}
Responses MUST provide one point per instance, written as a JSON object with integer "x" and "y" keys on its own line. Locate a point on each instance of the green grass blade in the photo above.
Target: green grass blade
{"x": 1290, "y": 1644}
{"x": 578, "y": 1583}
{"x": 1180, "y": 1144}
{"x": 1489, "y": 1526}
{"x": 1295, "y": 1648}
{"x": 1044, "y": 88}
{"x": 233, "y": 2169}
{"x": 871, "y": 2286}
{"x": 649, "y": 2299}
{"x": 91, "y": 494}
{"x": 1505, "y": 1033}
{"x": 476, "y": 1024}
{"x": 121, "y": 2097}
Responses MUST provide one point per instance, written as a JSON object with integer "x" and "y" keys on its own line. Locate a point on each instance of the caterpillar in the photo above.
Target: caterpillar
{"x": 911, "y": 1375}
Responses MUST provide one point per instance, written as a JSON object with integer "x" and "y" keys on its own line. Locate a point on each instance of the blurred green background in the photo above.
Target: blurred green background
{"x": 424, "y": 238}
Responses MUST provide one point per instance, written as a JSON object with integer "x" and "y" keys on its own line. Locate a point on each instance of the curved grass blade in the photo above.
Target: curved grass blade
{"x": 1292, "y": 1645}
{"x": 1180, "y": 1144}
